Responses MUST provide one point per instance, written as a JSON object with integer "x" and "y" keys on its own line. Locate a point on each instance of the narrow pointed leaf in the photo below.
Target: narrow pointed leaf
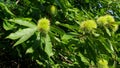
{"x": 83, "y": 59}
{"x": 108, "y": 31}
{"x": 17, "y": 34}
{"x": 4, "y": 7}
{"x": 23, "y": 22}
{"x": 48, "y": 46}
{"x": 22, "y": 34}
{"x": 8, "y": 26}
{"x": 29, "y": 32}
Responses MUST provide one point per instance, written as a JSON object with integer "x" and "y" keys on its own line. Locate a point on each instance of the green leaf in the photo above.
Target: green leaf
{"x": 8, "y": 26}
{"x": 108, "y": 31}
{"x": 71, "y": 27}
{"x": 61, "y": 5}
{"x": 4, "y": 7}
{"x": 17, "y": 34}
{"x": 48, "y": 46}
{"x": 84, "y": 59}
{"x": 87, "y": 1}
{"x": 23, "y": 21}
{"x": 106, "y": 45}
{"x": 22, "y": 34}
{"x": 66, "y": 38}
{"x": 30, "y": 50}
{"x": 57, "y": 30}
{"x": 38, "y": 62}
{"x": 19, "y": 52}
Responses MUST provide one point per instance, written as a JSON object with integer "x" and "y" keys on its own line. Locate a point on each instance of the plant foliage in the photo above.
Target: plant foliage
{"x": 61, "y": 33}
